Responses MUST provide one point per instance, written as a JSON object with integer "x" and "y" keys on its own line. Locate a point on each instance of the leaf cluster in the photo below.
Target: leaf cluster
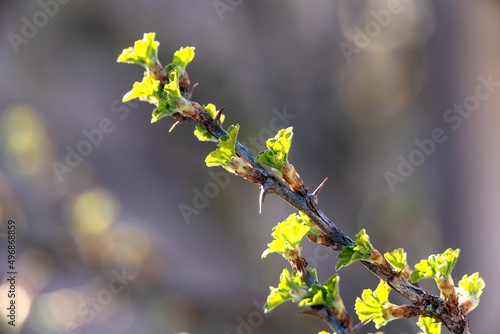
{"x": 276, "y": 155}
{"x": 167, "y": 97}
{"x": 362, "y": 249}
{"x": 373, "y": 305}
{"x": 287, "y": 236}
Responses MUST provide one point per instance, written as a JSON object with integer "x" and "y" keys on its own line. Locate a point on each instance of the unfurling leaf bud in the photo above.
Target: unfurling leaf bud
{"x": 291, "y": 177}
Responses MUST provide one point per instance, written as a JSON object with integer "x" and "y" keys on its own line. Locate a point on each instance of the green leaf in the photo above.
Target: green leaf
{"x": 277, "y": 245}
{"x": 291, "y": 231}
{"x": 397, "y": 258}
{"x": 290, "y": 287}
{"x": 360, "y": 250}
{"x": 144, "y": 52}
{"x": 275, "y": 298}
{"x": 202, "y": 134}
{"x": 429, "y": 325}
{"x": 470, "y": 288}
{"x": 437, "y": 266}
{"x": 161, "y": 111}
{"x": 277, "y": 153}
{"x": 291, "y": 282}
{"x": 287, "y": 235}
{"x": 183, "y": 57}
{"x": 225, "y": 152}
{"x": 172, "y": 100}
{"x": 147, "y": 90}
{"x": 173, "y": 86}
{"x": 363, "y": 244}
{"x": 328, "y": 294}
{"x": 373, "y": 305}
{"x": 314, "y": 274}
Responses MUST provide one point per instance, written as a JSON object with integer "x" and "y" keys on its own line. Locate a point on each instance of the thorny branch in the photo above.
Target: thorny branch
{"x": 424, "y": 304}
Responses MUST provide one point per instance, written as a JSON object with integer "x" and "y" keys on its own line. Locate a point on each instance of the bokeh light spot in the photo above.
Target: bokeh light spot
{"x": 93, "y": 211}
{"x": 22, "y": 300}
{"x": 63, "y": 306}
{"x": 28, "y": 148}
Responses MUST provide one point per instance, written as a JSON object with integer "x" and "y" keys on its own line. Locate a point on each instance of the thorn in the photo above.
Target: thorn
{"x": 321, "y": 313}
{"x": 264, "y": 188}
{"x": 358, "y": 326}
{"x": 262, "y": 196}
{"x": 191, "y": 90}
{"x": 173, "y": 126}
{"x": 316, "y": 192}
{"x": 308, "y": 313}
{"x": 219, "y": 114}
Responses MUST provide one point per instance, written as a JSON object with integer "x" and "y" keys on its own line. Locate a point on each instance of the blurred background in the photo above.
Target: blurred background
{"x": 121, "y": 228}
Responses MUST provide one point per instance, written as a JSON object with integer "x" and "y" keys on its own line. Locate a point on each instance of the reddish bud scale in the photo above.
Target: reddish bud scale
{"x": 465, "y": 307}
{"x": 339, "y": 311}
{"x": 341, "y": 316}
{"x": 377, "y": 258}
{"x": 321, "y": 239}
{"x": 299, "y": 263}
{"x": 184, "y": 83}
{"x": 291, "y": 177}
{"x": 294, "y": 253}
{"x": 402, "y": 311}
{"x": 159, "y": 74}
{"x": 241, "y": 168}
{"x": 447, "y": 289}
{"x": 254, "y": 175}
{"x": 193, "y": 110}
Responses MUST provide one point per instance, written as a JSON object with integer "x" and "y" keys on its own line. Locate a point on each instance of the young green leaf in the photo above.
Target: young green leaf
{"x": 225, "y": 152}
{"x": 328, "y": 294}
{"x": 361, "y": 250}
{"x": 148, "y": 89}
{"x": 314, "y": 234}
{"x": 275, "y": 298}
{"x": 183, "y": 57}
{"x": 276, "y": 156}
{"x": 172, "y": 87}
{"x": 437, "y": 266}
{"x": 373, "y": 305}
{"x": 287, "y": 235}
{"x": 202, "y": 134}
{"x": 469, "y": 290}
{"x": 397, "y": 258}
{"x": 290, "y": 287}
{"x": 144, "y": 52}
{"x": 161, "y": 111}
{"x": 172, "y": 100}
{"x": 429, "y": 326}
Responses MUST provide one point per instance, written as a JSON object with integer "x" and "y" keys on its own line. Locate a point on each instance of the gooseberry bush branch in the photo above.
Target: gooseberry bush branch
{"x": 169, "y": 89}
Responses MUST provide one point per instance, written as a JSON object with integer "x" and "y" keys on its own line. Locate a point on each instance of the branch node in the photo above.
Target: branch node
{"x": 314, "y": 196}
